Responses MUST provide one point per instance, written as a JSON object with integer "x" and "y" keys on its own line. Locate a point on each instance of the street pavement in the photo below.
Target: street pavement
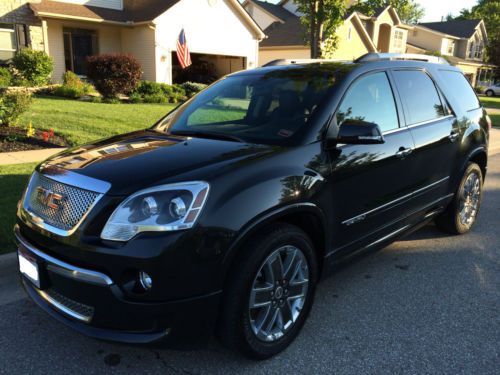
{"x": 429, "y": 304}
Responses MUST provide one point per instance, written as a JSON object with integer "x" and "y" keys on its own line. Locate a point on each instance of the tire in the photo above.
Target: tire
{"x": 452, "y": 220}
{"x": 239, "y": 321}
{"x": 490, "y": 93}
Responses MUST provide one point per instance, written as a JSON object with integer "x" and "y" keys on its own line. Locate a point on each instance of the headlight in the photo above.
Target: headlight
{"x": 158, "y": 209}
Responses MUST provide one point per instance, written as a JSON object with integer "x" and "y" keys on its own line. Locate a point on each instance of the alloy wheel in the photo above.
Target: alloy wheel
{"x": 469, "y": 199}
{"x": 278, "y": 293}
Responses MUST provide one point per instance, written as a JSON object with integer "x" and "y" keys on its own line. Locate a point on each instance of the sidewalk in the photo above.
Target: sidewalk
{"x": 19, "y": 157}
{"x": 494, "y": 147}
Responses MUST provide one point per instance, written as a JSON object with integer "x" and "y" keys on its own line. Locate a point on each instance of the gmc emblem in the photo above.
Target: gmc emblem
{"x": 49, "y": 198}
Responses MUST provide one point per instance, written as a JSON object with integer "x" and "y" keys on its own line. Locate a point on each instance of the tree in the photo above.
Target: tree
{"x": 408, "y": 10}
{"x": 321, "y": 18}
{"x": 489, "y": 12}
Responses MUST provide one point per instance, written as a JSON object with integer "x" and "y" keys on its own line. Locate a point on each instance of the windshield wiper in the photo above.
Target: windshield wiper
{"x": 204, "y": 134}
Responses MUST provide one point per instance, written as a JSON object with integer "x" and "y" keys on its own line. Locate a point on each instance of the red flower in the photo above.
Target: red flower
{"x": 45, "y": 136}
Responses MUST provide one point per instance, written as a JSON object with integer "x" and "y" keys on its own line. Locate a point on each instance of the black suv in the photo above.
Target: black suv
{"x": 224, "y": 215}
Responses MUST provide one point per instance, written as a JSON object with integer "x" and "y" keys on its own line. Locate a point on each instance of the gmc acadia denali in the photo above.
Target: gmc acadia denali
{"x": 224, "y": 215}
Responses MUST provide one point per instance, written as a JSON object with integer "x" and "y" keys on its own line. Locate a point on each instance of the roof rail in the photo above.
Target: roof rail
{"x": 301, "y": 61}
{"x": 401, "y": 56}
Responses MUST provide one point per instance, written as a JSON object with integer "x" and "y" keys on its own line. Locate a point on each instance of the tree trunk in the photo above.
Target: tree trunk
{"x": 312, "y": 28}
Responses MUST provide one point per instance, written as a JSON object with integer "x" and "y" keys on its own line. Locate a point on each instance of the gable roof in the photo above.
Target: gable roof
{"x": 274, "y": 9}
{"x": 134, "y": 11}
{"x": 288, "y": 31}
{"x": 458, "y": 28}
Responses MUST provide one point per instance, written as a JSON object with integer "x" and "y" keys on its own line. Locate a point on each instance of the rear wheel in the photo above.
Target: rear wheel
{"x": 462, "y": 212}
{"x": 270, "y": 295}
{"x": 490, "y": 93}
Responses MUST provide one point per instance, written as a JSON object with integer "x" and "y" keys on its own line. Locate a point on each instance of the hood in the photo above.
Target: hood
{"x": 141, "y": 159}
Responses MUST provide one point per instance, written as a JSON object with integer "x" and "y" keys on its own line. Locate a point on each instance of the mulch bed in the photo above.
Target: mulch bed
{"x": 15, "y": 139}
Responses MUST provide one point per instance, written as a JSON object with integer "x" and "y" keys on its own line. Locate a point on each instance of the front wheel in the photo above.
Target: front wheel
{"x": 490, "y": 93}
{"x": 461, "y": 214}
{"x": 269, "y": 296}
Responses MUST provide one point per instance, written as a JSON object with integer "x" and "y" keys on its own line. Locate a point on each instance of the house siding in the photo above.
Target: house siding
{"x": 267, "y": 55}
{"x": 140, "y": 42}
{"x": 349, "y": 48}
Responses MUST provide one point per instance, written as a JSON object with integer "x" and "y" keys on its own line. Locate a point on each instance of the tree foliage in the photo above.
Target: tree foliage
{"x": 408, "y": 10}
{"x": 322, "y": 18}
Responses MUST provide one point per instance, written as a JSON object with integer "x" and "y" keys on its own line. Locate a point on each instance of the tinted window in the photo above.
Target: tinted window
{"x": 419, "y": 95}
{"x": 460, "y": 87}
{"x": 274, "y": 107}
{"x": 370, "y": 99}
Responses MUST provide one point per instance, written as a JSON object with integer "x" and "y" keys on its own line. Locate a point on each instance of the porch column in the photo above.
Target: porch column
{"x": 45, "y": 36}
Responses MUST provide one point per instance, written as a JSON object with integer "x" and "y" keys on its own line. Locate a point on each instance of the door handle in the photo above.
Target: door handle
{"x": 404, "y": 152}
{"x": 453, "y": 136}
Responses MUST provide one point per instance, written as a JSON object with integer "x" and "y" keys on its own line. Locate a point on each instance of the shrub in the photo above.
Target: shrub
{"x": 153, "y": 92}
{"x": 12, "y": 105}
{"x": 33, "y": 67}
{"x": 192, "y": 88}
{"x": 72, "y": 87}
{"x": 113, "y": 74}
{"x": 5, "y": 77}
{"x": 480, "y": 89}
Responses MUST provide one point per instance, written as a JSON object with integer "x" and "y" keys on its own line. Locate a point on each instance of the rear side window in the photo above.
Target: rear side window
{"x": 459, "y": 86}
{"x": 419, "y": 95}
{"x": 370, "y": 99}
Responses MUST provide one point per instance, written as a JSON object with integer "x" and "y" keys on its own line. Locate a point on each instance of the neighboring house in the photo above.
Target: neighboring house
{"x": 462, "y": 42}
{"x": 219, "y": 33}
{"x": 359, "y": 34}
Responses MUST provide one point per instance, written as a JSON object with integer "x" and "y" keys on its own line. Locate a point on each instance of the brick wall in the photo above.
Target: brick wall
{"x": 18, "y": 11}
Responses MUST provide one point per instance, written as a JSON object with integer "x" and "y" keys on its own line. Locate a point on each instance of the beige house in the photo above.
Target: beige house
{"x": 359, "y": 34}
{"x": 462, "y": 42}
{"x": 221, "y": 36}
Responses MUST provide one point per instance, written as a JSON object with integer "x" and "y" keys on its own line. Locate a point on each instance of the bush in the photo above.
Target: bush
{"x": 12, "y": 105}
{"x": 153, "y": 92}
{"x": 72, "y": 87}
{"x": 32, "y": 67}
{"x": 5, "y": 77}
{"x": 192, "y": 88}
{"x": 480, "y": 89}
{"x": 113, "y": 74}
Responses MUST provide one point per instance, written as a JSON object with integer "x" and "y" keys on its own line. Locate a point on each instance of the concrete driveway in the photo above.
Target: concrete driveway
{"x": 427, "y": 304}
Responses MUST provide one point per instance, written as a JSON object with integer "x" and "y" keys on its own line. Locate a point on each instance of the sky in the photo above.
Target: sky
{"x": 435, "y": 9}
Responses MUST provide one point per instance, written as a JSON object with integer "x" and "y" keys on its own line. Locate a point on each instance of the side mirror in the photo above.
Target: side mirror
{"x": 358, "y": 132}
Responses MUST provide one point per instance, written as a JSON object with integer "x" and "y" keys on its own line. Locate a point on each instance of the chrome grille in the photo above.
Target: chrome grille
{"x": 75, "y": 203}
{"x": 76, "y": 309}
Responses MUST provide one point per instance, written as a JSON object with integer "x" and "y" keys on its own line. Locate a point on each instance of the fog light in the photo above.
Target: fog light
{"x": 145, "y": 280}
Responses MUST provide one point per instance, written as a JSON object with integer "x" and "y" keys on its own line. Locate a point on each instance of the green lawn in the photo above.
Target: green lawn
{"x": 490, "y": 102}
{"x": 82, "y": 122}
{"x": 13, "y": 179}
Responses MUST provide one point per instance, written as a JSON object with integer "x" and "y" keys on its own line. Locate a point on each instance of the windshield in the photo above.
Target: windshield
{"x": 274, "y": 107}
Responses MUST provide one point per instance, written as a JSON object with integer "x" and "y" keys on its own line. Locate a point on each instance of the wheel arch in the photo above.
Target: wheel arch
{"x": 306, "y": 216}
{"x": 480, "y": 157}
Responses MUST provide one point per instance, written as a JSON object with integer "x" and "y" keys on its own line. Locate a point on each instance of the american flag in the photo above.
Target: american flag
{"x": 183, "y": 51}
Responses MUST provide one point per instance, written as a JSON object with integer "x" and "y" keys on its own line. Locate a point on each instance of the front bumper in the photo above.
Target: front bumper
{"x": 92, "y": 304}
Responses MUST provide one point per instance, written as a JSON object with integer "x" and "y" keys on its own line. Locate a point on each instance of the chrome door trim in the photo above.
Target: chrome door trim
{"x": 363, "y": 216}
{"x": 63, "y": 268}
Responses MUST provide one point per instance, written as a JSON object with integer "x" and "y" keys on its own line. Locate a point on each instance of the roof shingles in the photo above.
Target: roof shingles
{"x": 458, "y": 28}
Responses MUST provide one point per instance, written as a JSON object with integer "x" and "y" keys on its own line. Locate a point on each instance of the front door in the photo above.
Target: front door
{"x": 78, "y": 45}
{"x": 371, "y": 183}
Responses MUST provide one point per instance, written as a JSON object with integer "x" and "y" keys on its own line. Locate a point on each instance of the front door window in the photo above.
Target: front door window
{"x": 78, "y": 45}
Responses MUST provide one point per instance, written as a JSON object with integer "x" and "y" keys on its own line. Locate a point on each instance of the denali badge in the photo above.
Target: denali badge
{"x": 49, "y": 198}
